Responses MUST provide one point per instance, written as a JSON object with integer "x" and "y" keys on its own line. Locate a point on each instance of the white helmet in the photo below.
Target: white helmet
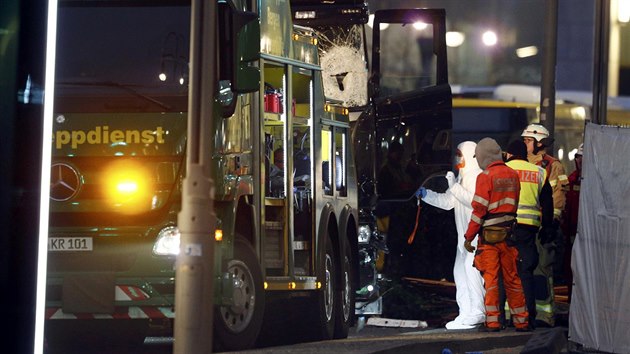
{"x": 580, "y": 150}
{"x": 536, "y": 131}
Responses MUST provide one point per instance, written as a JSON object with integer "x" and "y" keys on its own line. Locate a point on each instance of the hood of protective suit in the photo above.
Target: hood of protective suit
{"x": 487, "y": 152}
{"x": 471, "y": 165}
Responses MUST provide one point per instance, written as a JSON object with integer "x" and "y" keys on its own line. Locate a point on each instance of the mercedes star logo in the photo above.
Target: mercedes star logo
{"x": 65, "y": 182}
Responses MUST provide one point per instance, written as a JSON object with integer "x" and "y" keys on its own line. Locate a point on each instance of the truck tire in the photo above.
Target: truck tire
{"x": 236, "y": 327}
{"x": 346, "y": 294}
{"x": 326, "y": 297}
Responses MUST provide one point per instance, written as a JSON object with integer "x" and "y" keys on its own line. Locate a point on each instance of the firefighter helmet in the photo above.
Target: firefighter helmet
{"x": 536, "y": 131}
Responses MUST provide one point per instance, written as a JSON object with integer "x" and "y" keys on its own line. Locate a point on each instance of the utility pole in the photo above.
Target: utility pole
{"x": 196, "y": 221}
{"x": 600, "y": 61}
{"x": 548, "y": 84}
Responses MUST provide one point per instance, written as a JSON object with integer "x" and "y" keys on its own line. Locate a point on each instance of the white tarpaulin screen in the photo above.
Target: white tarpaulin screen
{"x": 599, "y": 316}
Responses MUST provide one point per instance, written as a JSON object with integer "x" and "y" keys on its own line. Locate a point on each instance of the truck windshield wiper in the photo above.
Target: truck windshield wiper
{"x": 124, "y": 87}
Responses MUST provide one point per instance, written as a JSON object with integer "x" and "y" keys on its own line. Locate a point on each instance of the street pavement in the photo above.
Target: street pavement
{"x": 405, "y": 340}
{"x": 436, "y": 300}
{"x": 432, "y": 305}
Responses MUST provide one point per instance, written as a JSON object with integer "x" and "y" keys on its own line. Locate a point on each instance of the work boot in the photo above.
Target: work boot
{"x": 485, "y": 328}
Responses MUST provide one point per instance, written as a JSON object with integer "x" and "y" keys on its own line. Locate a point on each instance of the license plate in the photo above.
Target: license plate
{"x": 57, "y": 244}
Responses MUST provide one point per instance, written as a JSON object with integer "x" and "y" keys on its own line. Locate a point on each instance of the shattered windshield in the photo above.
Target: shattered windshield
{"x": 344, "y": 65}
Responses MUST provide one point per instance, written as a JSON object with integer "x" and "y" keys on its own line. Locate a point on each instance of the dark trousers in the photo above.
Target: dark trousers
{"x": 524, "y": 240}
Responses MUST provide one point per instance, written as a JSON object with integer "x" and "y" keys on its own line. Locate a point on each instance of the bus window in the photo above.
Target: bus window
{"x": 340, "y": 161}
{"x": 301, "y": 105}
{"x": 274, "y": 115}
{"x": 327, "y": 148}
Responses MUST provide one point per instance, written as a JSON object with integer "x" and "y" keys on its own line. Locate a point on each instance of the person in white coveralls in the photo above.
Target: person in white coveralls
{"x": 468, "y": 281}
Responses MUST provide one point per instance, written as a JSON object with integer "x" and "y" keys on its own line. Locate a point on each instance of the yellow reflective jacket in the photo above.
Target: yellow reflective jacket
{"x": 532, "y": 179}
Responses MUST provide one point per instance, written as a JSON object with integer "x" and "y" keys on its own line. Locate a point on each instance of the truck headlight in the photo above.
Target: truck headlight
{"x": 167, "y": 242}
{"x": 364, "y": 233}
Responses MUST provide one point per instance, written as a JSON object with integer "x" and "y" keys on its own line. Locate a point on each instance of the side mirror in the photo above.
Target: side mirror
{"x": 239, "y": 46}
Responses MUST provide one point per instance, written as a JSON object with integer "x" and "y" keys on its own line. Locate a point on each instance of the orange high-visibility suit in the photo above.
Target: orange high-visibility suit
{"x": 495, "y": 204}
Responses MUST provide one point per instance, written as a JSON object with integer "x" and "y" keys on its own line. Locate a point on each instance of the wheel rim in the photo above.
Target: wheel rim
{"x": 346, "y": 289}
{"x": 238, "y": 316}
{"x": 329, "y": 294}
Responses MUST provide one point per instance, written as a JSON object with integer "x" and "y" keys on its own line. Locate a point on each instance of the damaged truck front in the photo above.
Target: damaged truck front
{"x": 403, "y": 98}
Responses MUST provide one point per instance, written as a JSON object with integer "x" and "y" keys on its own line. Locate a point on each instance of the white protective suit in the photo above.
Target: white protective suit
{"x": 468, "y": 281}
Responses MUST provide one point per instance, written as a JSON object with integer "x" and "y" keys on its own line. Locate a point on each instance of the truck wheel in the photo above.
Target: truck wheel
{"x": 236, "y": 327}
{"x": 326, "y": 297}
{"x": 346, "y": 294}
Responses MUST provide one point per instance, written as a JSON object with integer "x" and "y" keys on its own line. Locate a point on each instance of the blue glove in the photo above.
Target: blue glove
{"x": 421, "y": 192}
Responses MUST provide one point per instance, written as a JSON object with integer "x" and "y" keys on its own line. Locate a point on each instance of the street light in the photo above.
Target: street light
{"x": 489, "y": 38}
{"x": 174, "y": 58}
{"x": 525, "y": 52}
{"x": 455, "y": 39}
{"x": 623, "y": 11}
